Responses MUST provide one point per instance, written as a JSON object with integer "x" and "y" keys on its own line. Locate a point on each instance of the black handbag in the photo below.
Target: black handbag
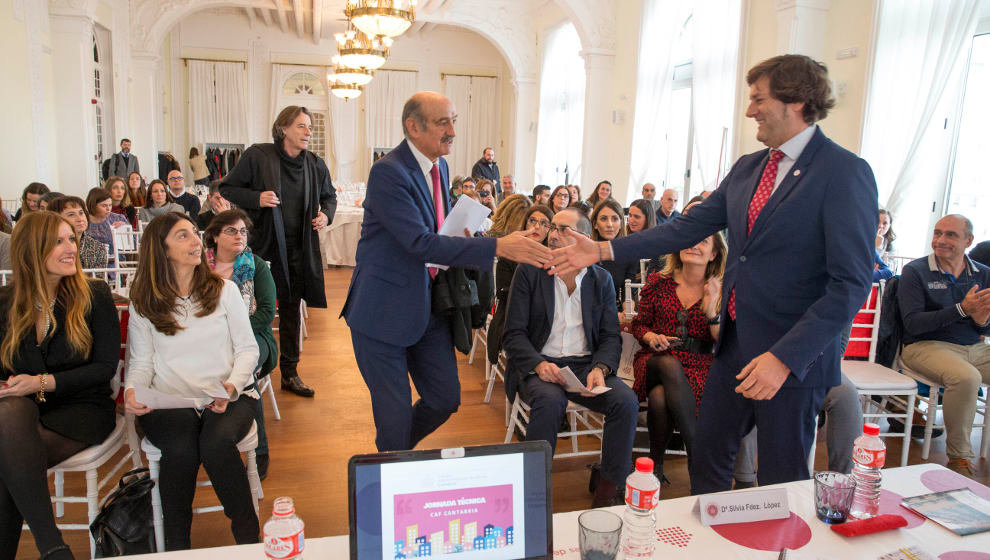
{"x": 124, "y": 525}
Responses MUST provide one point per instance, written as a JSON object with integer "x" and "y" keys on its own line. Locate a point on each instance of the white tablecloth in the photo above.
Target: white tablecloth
{"x": 338, "y": 242}
{"x": 681, "y": 534}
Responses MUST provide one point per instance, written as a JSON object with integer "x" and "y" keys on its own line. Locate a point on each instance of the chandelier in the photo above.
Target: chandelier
{"x": 345, "y": 91}
{"x": 350, "y": 76}
{"x": 359, "y": 51}
{"x": 381, "y": 18}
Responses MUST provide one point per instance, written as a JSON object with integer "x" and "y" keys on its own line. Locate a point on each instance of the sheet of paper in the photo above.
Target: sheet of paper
{"x": 162, "y": 401}
{"x": 467, "y": 213}
{"x": 218, "y": 391}
{"x": 574, "y": 385}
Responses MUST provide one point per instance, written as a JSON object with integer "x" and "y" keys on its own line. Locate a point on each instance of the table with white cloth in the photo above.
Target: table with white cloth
{"x": 338, "y": 241}
{"x": 680, "y": 533}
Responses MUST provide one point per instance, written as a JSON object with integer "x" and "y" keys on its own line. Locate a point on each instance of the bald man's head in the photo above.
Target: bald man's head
{"x": 428, "y": 123}
{"x": 649, "y": 191}
{"x": 668, "y": 200}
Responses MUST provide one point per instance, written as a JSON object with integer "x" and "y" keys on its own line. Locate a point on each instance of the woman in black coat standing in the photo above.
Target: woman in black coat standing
{"x": 60, "y": 347}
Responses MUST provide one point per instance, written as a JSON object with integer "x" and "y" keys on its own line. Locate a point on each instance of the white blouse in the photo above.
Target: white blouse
{"x": 218, "y": 347}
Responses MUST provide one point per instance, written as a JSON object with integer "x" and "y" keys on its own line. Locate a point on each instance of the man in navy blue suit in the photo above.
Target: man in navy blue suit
{"x": 394, "y": 332}
{"x": 802, "y": 218}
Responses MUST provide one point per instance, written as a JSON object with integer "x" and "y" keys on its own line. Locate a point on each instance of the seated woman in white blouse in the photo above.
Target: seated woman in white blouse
{"x": 189, "y": 334}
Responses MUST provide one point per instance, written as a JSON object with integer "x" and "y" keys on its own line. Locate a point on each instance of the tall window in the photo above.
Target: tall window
{"x": 968, "y": 193}
{"x": 305, "y": 89}
{"x": 98, "y": 108}
{"x": 560, "y": 131}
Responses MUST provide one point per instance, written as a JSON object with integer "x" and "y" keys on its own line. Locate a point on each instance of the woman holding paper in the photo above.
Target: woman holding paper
{"x": 60, "y": 347}
{"x": 189, "y": 334}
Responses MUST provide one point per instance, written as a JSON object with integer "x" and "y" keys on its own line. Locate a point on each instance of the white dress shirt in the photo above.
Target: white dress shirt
{"x": 427, "y": 166}
{"x": 567, "y": 331}
{"x": 218, "y": 347}
{"x": 792, "y": 151}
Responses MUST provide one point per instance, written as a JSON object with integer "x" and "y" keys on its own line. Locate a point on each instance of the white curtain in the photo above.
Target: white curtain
{"x": 346, "y": 140}
{"x": 560, "y": 131}
{"x": 476, "y": 100}
{"x": 714, "y": 85}
{"x": 658, "y": 37}
{"x": 920, "y": 47}
{"x": 217, "y": 102}
{"x": 462, "y": 154}
{"x": 384, "y": 98}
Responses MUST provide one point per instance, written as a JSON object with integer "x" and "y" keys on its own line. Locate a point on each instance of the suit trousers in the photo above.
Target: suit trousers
{"x": 289, "y": 321}
{"x": 620, "y": 406}
{"x": 387, "y": 368}
{"x": 786, "y": 425}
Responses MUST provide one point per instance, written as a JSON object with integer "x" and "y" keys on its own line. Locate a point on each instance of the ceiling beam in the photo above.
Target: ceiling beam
{"x": 317, "y": 21}
{"x": 298, "y": 12}
{"x": 266, "y": 16}
{"x": 281, "y": 16}
{"x": 250, "y": 15}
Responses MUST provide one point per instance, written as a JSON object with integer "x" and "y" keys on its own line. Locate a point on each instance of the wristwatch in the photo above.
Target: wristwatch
{"x": 605, "y": 369}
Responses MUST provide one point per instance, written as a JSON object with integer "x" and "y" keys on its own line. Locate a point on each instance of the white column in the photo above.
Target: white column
{"x": 801, "y": 27}
{"x": 145, "y": 103}
{"x": 524, "y": 129}
{"x": 72, "y": 65}
{"x": 598, "y": 65}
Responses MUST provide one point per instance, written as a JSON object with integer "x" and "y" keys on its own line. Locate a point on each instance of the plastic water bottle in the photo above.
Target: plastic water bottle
{"x": 284, "y": 538}
{"x": 869, "y": 454}
{"x": 639, "y": 522}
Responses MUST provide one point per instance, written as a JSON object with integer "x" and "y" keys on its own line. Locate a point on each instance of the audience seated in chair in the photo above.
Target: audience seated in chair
{"x": 120, "y": 199}
{"x": 92, "y": 253}
{"x": 944, "y": 300}
{"x": 677, "y": 324}
{"x": 102, "y": 222}
{"x": 572, "y": 321}
{"x": 608, "y": 222}
{"x": 159, "y": 202}
{"x": 190, "y": 334}
{"x": 229, "y": 256}
{"x": 59, "y": 351}
{"x": 29, "y": 199}
{"x": 215, "y": 204}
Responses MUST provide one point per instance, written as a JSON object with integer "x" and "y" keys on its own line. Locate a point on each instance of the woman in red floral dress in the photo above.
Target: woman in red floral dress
{"x": 677, "y": 323}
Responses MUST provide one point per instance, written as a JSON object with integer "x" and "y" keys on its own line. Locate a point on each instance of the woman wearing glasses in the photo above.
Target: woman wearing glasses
{"x": 677, "y": 324}
{"x": 229, "y": 256}
{"x": 536, "y": 221}
{"x": 560, "y": 199}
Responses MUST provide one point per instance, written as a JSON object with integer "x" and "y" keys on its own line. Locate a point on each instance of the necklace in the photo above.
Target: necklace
{"x": 48, "y": 316}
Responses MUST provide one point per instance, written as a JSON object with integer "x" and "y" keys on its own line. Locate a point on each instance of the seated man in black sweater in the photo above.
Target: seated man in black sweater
{"x": 570, "y": 320}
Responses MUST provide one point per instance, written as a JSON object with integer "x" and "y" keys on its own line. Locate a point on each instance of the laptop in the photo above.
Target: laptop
{"x": 489, "y": 502}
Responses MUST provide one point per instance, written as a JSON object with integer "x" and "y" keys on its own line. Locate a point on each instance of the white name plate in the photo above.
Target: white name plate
{"x": 744, "y": 506}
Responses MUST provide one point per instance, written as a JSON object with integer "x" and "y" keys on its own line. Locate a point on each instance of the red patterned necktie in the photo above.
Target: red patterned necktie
{"x": 437, "y": 205}
{"x": 760, "y": 198}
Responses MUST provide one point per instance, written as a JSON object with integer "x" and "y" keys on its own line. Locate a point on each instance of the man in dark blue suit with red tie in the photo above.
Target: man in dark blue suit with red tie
{"x": 802, "y": 219}
{"x": 394, "y": 332}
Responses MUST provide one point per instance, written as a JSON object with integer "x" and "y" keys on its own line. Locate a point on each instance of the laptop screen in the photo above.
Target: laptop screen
{"x": 491, "y": 502}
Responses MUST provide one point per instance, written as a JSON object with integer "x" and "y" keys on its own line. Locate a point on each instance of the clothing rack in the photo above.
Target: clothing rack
{"x": 222, "y": 146}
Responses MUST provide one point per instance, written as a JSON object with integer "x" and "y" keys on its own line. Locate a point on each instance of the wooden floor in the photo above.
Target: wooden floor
{"x": 312, "y": 443}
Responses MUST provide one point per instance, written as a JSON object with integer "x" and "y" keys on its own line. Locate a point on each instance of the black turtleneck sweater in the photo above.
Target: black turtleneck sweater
{"x": 294, "y": 194}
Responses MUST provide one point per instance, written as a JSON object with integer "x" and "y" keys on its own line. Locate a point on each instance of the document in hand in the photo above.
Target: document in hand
{"x": 467, "y": 213}
{"x": 574, "y": 385}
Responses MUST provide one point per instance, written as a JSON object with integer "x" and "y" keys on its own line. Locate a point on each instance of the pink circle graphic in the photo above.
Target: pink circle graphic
{"x": 940, "y": 480}
{"x": 772, "y": 535}
{"x": 964, "y": 555}
{"x": 890, "y": 502}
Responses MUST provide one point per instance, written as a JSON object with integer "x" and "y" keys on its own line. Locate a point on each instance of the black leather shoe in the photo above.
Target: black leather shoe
{"x": 295, "y": 385}
{"x": 262, "y": 461}
{"x": 60, "y": 552}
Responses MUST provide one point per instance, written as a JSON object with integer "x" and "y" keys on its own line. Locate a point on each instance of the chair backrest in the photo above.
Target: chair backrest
{"x": 642, "y": 269}
{"x": 897, "y": 262}
{"x": 629, "y": 304}
{"x": 125, "y": 247}
{"x": 866, "y": 324}
{"x": 6, "y": 276}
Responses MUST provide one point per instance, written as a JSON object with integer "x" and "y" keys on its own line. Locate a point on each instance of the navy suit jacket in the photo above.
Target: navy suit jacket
{"x": 389, "y": 296}
{"x": 804, "y": 270}
{"x": 530, "y": 317}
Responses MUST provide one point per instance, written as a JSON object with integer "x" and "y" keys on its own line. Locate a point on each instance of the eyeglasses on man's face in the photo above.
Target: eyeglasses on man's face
{"x": 560, "y": 228}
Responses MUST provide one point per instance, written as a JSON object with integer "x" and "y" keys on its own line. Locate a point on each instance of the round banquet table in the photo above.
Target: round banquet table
{"x": 339, "y": 240}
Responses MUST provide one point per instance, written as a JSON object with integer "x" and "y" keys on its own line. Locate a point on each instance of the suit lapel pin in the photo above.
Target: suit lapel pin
{"x": 797, "y": 172}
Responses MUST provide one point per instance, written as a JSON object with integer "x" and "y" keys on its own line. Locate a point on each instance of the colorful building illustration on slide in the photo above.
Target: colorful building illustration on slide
{"x": 447, "y": 522}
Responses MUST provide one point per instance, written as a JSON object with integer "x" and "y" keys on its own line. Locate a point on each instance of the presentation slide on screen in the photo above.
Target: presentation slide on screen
{"x": 454, "y": 508}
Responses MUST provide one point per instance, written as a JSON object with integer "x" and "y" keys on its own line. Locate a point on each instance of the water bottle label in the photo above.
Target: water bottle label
{"x": 870, "y": 457}
{"x": 284, "y": 547}
{"x": 642, "y": 499}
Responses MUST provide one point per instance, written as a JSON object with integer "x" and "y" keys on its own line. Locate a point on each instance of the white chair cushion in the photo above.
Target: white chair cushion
{"x": 872, "y": 376}
{"x": 83, "y": 460}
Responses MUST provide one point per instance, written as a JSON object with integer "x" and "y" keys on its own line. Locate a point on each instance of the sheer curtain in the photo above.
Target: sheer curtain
{"x": 715, "y": 58}
{"x": 217, "y": 102}
{"x": 661, "y": 22}
{"x": 462, "y": 155}
{"x": 560, "y": 130}
{"x": 344, "y": 119}
{"x": 920, "y": 48}
{"x": 384, "y": 98}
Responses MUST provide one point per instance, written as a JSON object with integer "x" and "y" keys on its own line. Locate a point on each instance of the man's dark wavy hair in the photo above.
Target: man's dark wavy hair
{"x": 795, "y": 78}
